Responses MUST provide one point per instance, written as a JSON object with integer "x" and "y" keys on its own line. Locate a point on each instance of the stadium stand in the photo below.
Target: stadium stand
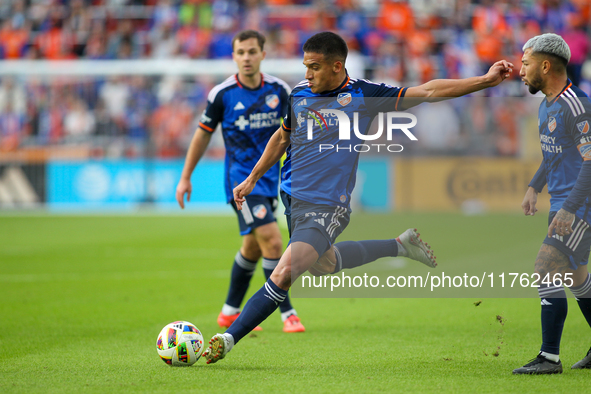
{"x": 399, "y": 42}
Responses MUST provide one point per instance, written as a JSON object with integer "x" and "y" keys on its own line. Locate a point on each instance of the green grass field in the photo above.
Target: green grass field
{"x": 84, "y": 297}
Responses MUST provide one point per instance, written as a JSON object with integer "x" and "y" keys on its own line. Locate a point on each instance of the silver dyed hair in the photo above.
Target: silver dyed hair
{"x": 549, "y": 43}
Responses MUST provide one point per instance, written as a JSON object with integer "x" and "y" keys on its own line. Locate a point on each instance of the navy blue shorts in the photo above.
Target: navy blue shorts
{"x": 256, "y": 211}
{"x": 317, "y": 225}
{"x": 576, "y": 245}
{"x": 286, "y": 200}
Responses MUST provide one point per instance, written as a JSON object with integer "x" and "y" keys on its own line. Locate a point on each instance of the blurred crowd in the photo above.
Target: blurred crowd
{"x": 399, "y": 42}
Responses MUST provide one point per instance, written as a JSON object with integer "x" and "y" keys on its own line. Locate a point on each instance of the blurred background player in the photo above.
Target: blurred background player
{"x": 320, "y": 207}
{"x": 249, "y": 105}
{"x": 564, "y": 120}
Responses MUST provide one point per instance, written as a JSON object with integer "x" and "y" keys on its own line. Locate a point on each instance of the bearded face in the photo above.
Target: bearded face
{"x": 535, "y": 82}
{"x": 531, "y": 72}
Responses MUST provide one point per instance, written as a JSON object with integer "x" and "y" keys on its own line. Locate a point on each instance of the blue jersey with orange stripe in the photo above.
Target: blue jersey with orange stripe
{"x": 328, "y": 177}
{"x": 564, "y": 125}
{"x": 248, "y": 117}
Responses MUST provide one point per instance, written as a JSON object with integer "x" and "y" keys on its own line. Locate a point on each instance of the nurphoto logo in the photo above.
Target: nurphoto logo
{"x": 319, "y": 122}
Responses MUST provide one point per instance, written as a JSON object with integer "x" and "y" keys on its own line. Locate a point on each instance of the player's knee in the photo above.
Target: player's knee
{"x": 324, "y": 266}
{"x": 252, "y": 254}
{"x": 270, "y": 241}
{"x": 315, "y": 272}
{"x": 281, "y": 276}
{"x": 251, "y": 251}
{"x": 275, "y": 246}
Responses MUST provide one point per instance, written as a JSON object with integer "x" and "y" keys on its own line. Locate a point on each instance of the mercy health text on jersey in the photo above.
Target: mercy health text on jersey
{"x": 320, "y": 121}
{"x": 340, "y": 120}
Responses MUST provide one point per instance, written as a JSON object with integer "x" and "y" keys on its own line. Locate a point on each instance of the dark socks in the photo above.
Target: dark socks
{"x": 242, "y": 271}
{"x": 268, "y": 267}
{"x": 351, "y": 254}
{"x": 257, "y": 309}
{"x": 554, "y": 310}
{"x": 583, "y": 294}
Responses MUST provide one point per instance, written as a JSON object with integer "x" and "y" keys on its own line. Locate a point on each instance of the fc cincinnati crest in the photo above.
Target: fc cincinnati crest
{"x": 259, "y": 211}
{"x": 344, "y": 98}
{"x": 552, "y": 124}
{"x": 585, "y": 150}
{"x": 583, "y": 127}
{"x": 272, "y": 101}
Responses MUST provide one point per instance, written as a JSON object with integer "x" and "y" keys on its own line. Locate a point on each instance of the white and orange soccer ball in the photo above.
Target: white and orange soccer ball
{"x": 180, "y": 344}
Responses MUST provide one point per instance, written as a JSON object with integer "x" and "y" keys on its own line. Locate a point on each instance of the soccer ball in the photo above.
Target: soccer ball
{"x": 180, "y": 344}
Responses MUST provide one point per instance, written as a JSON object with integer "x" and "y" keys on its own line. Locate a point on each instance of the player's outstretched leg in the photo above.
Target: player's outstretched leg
{"x": 585, "y": 363}
{"x": 353, "y": 254}
{"x": 539, "y": 366}
{"x": 415, "y": 248}
{"x": 219, "y": 346}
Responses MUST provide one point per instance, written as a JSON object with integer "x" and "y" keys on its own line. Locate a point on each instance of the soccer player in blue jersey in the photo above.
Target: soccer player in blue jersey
{"x": 564, "y": 120}
{"x": 321, "y": 184}
{"x": 249, "y": 105}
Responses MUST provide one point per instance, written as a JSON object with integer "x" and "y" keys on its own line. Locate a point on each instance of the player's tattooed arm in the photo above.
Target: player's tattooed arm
{"x": 551, "y": 261}
{"x": 562, "y": 223}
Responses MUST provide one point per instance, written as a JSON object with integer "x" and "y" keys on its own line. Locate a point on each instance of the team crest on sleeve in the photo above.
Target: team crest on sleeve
{"x": 585, "y": 150}
{"x": 344, "y": 98}
{"x": 583, "y": 127}
{"x": 259, "y": 211}
{"x": 204, "y": 118}
{"x": 272, "y": 100}
{"x": 552, "y": 124}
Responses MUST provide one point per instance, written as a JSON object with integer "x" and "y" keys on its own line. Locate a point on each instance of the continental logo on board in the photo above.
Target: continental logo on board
{"x": 470, "y": 180}
{"x": 450, "y": 183}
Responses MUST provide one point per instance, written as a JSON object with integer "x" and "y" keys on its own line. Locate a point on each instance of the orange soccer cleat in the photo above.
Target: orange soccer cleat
{"x": 293, "y": 324}
{"x": 226, "y": 321}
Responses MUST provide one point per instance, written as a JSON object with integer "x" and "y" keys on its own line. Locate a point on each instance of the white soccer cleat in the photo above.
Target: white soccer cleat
{"x": 219, "y": 346}
{"x": 416, "y": 249}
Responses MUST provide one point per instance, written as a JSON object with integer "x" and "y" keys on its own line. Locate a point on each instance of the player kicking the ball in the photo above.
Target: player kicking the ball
{"x": 263, "y": 99}
{"x": 321, "y": 183}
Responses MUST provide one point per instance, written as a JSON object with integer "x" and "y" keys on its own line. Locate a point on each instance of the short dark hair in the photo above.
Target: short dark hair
{"x": 247, "y": 34}
{"x": 329, "y": 44}
{"x": 557, "y": 61}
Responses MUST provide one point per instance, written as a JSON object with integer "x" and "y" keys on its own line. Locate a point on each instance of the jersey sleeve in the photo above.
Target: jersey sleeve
{"x": 287, "y": 114}
{"x": 213, "y": 113}
{"x": 539, "y": 180}
{"x": 285, "y": 97}
{"x": 388, "y": 98}
{"x": 578, "y": 124}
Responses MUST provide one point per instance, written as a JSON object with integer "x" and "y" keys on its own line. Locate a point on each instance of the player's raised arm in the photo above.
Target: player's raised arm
{"x": 443, "y": 89}
{"x": 198, "y": 146}
{"x": 275, "y": 148}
